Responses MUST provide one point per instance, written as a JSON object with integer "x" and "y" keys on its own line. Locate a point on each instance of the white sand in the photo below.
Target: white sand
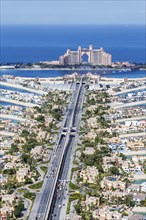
{"x": 140, "y": 177}
{"x": 139, "y": 152}
{"x": 22, "y": 87}
{"x": 139, "y": 209}
{"x": 13, "y": 117}
{"x": 27, "y": 104}
{"x": 6, "y": 133}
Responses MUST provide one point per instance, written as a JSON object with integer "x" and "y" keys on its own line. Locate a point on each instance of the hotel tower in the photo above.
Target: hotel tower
{"x": 95, "y": 56}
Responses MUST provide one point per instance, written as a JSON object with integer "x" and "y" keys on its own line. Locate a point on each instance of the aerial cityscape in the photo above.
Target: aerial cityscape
{"x": 73, "y": 110}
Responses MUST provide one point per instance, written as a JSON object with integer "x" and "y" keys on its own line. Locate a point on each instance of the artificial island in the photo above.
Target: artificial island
{"x": 77, "y": 150}
{"x": 82, "y": 58}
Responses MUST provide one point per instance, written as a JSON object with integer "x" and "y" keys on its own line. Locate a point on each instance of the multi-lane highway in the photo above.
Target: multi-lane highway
{"x": 49, "y": 201}
{"x": 61, "y": 196}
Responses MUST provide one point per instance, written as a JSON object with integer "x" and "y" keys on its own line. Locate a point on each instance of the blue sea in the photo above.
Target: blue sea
{"x": 34, "y": 43}
{"x": 57, "y": 73}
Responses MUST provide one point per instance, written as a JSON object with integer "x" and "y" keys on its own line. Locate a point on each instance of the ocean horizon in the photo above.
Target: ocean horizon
{"x": 34, "y": 43}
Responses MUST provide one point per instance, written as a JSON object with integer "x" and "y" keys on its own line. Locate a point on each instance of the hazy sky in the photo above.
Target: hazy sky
{"x": 73, "y": 12}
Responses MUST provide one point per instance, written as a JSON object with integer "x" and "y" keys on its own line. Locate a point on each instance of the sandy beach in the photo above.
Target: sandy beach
{"x": 119, "y": 105}
{"x": 6, "y": 133}
{"x": 105, "y": 78}
{"x": 139, "y": 152}
{"x": 131, "y": 119}
{"x": 12, "y": 117}
{"x": 138, "y": 134}
{"x": 139, "y": 209}
{"x": 130, "y": 90}
{"x": 140, "y": 177}
{"x": 27, "y": 104}
{"x": 24, "y": 88}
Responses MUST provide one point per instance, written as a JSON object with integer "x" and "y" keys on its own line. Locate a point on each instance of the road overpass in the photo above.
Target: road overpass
{"x": 43, "y": 207}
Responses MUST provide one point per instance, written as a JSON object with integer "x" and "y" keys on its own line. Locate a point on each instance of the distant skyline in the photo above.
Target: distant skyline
{"x": 73, "y": 12}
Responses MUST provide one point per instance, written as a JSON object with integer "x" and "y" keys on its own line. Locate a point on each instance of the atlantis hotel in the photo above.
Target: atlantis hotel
{"x": 95, "y": 57}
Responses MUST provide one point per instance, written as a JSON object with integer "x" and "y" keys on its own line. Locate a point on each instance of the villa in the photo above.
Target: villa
{"x": 4, "y": 211}
{"x": 127, "y": 166}
{"x": 8, "y": 199}
{"x": 89, "y": 174}
{"x": 133, "y": 188}
{"x": 22, "y": 173}
{"x": 143, "y": 187}
{"x": 137, "y": 197}
{"x": 116, "y": 184}
{"x": 89, "y": 150}
{"x": 105, "y": 213}
{"x": 91, "y": 200}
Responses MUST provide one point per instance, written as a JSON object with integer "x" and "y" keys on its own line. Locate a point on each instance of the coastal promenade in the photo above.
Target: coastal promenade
{"x": 23, "y": 88}
{"x": 26, "y": 104}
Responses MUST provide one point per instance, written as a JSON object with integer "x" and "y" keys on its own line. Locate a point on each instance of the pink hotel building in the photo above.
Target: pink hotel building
{"x": 95, "y": 56}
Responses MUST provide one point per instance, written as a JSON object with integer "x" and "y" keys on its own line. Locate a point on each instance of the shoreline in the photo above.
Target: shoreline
{"x": 103, "y": 79}
{"x": 42, "y": 78}
{"x": 59, "y": 73}
{"x": 139, "y": 209}
{"x": 77, "y": 69}
{"x": 121, "y": 105}
{"x": 130, "y": 90}
{"x": 7, "y": 133}
{"x": 23, "y": 88}
{"x": 88, "y": 69}
{"x": 134, "y": 153}
{"x": 139, "y": 176}
{"x": 13, "y": 117}
{"x": 16, "y": 102}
